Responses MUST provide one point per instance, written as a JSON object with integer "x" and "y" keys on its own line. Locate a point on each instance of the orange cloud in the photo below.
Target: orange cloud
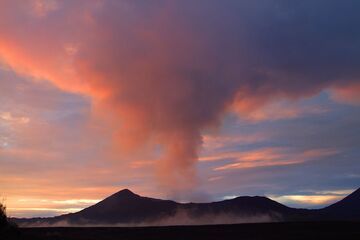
{"x": 275, "y": 111}
{"x": 159, "y": 74}
{"x": 267, "y": 157}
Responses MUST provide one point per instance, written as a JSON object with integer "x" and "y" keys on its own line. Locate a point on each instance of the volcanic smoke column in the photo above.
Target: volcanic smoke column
{"x": 167, "y": 70}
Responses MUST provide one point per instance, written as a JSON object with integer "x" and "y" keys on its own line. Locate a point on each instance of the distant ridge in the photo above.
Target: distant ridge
{"x": 346, "y": 209}
{"x": 128, "y": 208}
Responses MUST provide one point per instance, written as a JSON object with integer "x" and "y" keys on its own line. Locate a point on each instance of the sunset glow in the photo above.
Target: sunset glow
{"x": 184, "y": 100}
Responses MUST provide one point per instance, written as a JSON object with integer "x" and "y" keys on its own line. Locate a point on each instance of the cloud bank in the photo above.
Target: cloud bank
{"x": 163, "y": 72}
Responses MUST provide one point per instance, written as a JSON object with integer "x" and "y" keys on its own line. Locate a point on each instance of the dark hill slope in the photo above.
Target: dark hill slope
{"x": 126, "y": 207}
{"x": 345, "y": 209}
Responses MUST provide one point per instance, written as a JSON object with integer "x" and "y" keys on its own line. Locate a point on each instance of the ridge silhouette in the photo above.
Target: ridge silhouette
{"x": 126, "y": 207}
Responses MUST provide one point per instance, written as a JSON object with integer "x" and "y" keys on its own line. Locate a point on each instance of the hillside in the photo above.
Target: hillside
{"x": 126, "y": 208}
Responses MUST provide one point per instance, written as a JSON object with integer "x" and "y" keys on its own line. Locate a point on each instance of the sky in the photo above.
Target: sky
{"x": 185, "y": 100}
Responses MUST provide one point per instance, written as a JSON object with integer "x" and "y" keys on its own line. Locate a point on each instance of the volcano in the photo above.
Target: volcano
{"x": 129, "y": 209}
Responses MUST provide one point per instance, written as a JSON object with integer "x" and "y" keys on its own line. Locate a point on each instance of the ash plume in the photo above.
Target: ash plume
{"x": 165, "y": 71}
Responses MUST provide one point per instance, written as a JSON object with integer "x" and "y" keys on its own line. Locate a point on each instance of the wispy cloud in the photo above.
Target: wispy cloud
{"x": 8, "y": 117}
{"x": 41, "y": 8}
{"x": 278, "y": 110}
{"x": 268, "y": 157}
{"x": 348, "y": 93}
{"x": 215, "y": 142}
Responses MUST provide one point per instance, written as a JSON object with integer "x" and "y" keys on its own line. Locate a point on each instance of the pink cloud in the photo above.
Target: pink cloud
{"x": 157, "y": 74}
{"x": 349, "y": 94}
{"x": 265, "y": 157}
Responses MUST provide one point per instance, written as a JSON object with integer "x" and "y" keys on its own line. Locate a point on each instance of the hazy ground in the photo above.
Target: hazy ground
{"x": 310, "y": 230}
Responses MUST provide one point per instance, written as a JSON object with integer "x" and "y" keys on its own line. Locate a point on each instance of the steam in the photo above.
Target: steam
{"x": 168, "y": 70}
{"x": 180, "y": 218}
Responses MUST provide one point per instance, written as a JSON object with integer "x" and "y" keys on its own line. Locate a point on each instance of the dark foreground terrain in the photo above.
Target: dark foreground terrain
{"x": 298, "y": 230}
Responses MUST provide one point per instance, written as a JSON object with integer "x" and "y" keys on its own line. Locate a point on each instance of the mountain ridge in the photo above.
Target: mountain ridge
{"x": 128, "y": 208}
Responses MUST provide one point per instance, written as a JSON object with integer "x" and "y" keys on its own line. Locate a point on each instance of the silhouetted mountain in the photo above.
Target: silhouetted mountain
{"x": 128, "y": 208}
{"x": 345, "y": 209}
{"x": 123, "y": 207}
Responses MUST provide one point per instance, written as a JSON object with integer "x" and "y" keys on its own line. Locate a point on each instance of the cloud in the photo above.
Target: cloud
{"x": 7, "y": 116}
{"x": 162, "y": 73}
{"x": 313, "y": 199}
{"x": 276, "y": 111}
{"x": 30, "y": 207}
{"x": 307, "y": 199}
{"x": 43, "y": 7}
{"x": 265, "y": 157}
{"x": 213, "y": 142}
{"x": 349, "y": 94}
